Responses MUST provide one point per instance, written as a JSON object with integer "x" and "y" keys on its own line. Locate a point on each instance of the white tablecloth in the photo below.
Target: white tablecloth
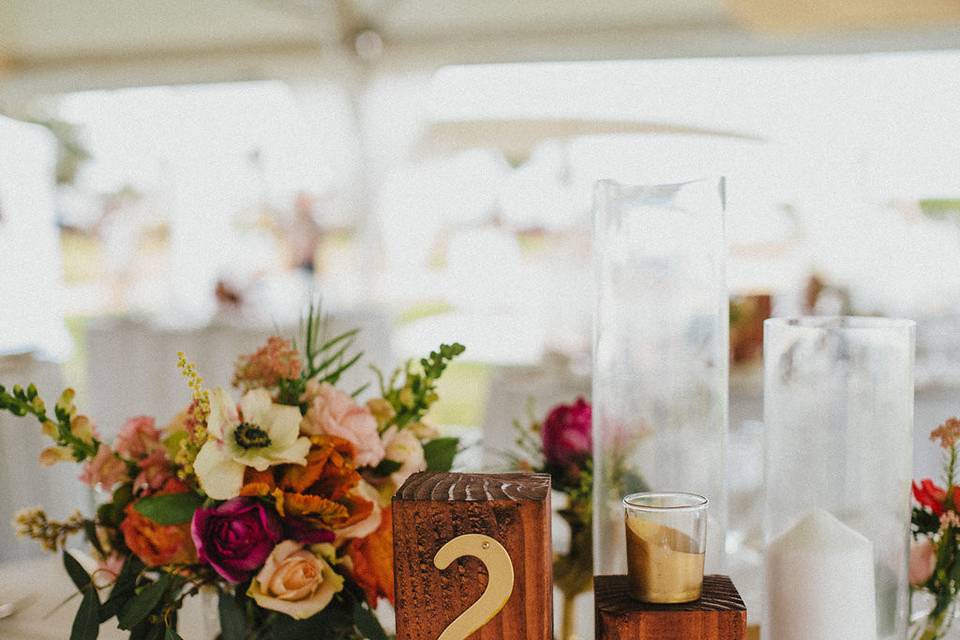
{"x": 36, "y": 587}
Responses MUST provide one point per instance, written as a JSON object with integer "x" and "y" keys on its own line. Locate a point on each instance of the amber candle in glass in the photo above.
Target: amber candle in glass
{"x": 666, "y": 543}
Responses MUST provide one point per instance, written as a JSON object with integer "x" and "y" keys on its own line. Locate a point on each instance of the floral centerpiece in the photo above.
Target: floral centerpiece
{"x": 935, "y": 550}
{"x": 278, "y": 502}
{"x": 562, "y": 445}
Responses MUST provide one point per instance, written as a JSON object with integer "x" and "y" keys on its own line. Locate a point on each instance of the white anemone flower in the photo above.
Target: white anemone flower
{"x": 260, "y": 435}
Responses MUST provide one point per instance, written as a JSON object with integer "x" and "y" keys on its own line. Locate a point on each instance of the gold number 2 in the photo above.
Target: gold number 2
{"x": 499, "y": 581}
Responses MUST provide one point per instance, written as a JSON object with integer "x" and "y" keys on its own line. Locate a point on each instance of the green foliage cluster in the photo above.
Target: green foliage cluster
{"x": 22, "y": 401}
{"x": 413, "y": 399}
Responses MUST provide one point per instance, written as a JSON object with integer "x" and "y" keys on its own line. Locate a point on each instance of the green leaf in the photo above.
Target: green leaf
{"x": 440, "y": 453}
{"x": 367, "y": 623}
{"x": 76, "y": 572}
{"x": 233, "y": 625}
{"x": 386, "y": 467}
{"x": 90, "y": 531}
{"x": 123, "y": 588}
{"x": 136, "y": 610}
{"x": 171, "y": 634}
{"x": 173, "y": 508}
{"x": 86, "y": 626}
{"x": 122, "y": 496}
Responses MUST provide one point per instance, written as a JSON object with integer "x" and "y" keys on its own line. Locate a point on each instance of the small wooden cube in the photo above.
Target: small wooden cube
{"x": 719, "y": 614}
{"x": 513, "y": 509}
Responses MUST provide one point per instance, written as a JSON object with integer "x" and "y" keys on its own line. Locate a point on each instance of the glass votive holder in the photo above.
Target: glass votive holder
{"x": 666, "y": 543}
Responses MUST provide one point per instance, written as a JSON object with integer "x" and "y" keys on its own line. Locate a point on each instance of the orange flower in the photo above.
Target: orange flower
{"x": 372, "y": 559}
{"x": 157, "y": 544}
{"x": 948, "y": 433}
{"x": 275, "y": 361}
{"x": 322, "y": 492}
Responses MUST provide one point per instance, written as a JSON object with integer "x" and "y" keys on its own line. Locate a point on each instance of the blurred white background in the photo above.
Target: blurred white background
{"x": 187, "y": 177}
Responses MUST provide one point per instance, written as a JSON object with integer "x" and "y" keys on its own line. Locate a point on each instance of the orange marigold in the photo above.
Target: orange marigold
{"x": 158, "y": 544}
{"x": 322, "y": 492}
{"x": 372, "y": 559}
{"x": 275, "y": 361}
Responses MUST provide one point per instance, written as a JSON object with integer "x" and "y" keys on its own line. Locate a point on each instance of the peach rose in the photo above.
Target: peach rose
{"x": 296, "y": 581}
{"x": 334, "y": 413}
{"x": 923, "y": 562}
{"x": 404, "y": 447}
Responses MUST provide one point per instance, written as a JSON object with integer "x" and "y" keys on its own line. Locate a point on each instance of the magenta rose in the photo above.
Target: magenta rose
{"x": 567, "y": 433}
{"x": 236, "y": 537}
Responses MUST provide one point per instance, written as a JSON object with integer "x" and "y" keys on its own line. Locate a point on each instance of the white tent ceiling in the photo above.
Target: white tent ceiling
{"x": 70, "y": 44}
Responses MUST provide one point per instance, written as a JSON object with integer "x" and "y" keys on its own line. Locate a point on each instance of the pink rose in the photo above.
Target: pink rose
{"x": 334, "y": 413}
{"x": 104, "y": 470}
{"x": 923, "y": 562}
{"x": 567, "y": 436}
{"x": 137, "y": 438}
{"x": 155, "y": 470}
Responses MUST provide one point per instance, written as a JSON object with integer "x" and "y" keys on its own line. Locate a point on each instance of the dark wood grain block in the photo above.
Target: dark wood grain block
{"x": 431, "y": 509}
{"x": 718, "y": 615}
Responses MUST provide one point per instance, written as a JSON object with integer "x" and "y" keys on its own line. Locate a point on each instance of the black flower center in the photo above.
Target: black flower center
{"x": 250, "y": 436}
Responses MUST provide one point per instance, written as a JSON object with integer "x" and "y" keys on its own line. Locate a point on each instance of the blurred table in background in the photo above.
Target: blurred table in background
{"x": 132, "y": 364}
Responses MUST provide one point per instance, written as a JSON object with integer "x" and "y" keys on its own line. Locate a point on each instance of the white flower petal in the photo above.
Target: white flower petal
{"x": 282, "y": 422}
{"x": 296, "y": 453}
{"x": 372, "y": 522}
{"x": 255, "y": 405}
{"x": 220, "y": 476}
{"x": 262, "y": 458}
{"x": 223, "y": 413}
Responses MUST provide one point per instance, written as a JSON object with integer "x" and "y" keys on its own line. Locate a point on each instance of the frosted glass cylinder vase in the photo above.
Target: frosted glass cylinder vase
{"x": 660, "y": 354}
{"x": 838, "y": 413}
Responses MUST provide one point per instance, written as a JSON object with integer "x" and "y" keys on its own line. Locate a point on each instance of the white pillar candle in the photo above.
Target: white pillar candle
{"x": 820, "y": 582}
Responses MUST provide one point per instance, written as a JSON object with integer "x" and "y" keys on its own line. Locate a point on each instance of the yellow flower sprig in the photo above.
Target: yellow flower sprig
{"x": 200, "y": 411}
{"x": 201, "y": 397}
{"x": 52, "y": 534}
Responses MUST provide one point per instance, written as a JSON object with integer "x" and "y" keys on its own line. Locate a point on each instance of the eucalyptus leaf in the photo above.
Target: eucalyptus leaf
{"x": 172, "y": 508}
{"x": 86, "y": 626}
{"x": 367, "y": 623}
{"x": 136, "y": 610}
{"x": 90, "y": 531}
{"x": 233, "y": 625}
{"x": 123, "y": 588}
{"x": 77, "y": 573}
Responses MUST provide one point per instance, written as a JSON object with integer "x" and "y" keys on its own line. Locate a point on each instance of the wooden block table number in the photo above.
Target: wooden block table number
{"x": 472, "y": 557}
{"x": 718, "y": 615}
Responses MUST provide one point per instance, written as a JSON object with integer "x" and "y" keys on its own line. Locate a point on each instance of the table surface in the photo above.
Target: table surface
{"x": 36, "y": 587}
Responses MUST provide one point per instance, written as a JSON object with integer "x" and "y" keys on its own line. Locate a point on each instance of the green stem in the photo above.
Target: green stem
{"x": 567, "y": 624}
{"x": 951, "y": 473}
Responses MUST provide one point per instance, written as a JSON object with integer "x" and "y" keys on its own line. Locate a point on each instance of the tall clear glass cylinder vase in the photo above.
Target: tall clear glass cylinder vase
{"x": 838, "y": 413}
{"x": 660, "y": 354}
